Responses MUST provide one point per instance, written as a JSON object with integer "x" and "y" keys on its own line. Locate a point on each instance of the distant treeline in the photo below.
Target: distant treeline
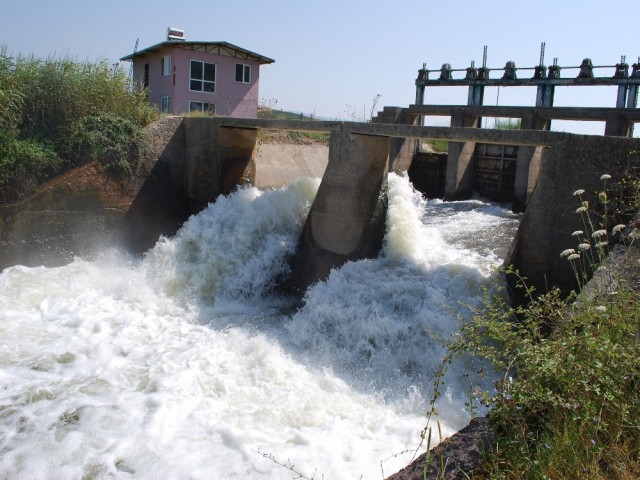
{"x": 58, "y": 113}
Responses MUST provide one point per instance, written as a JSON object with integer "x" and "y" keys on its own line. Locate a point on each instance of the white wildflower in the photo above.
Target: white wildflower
{"x": 574, "y": 256}
{"x": 617, "y": 228}
{"x": 577, "y": 233}
{"x": 584, "y": 246}
{"x": 601, "y": 309}
{"x": 581, "y": 209}
{"x": 605, "y": 176}
{"x": 578, "y": 192}
{"x": 601, "y": 244}
{"x": 599, "y": 233}
{"x": 567, "y": 252}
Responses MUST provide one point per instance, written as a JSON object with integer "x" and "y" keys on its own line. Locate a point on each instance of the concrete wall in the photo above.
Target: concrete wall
{"x": 575, "y": 162}
{"x": 279, "y": 164}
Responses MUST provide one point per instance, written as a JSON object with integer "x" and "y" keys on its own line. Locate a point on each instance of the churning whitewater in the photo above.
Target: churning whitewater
{"x": 187, "y": 364}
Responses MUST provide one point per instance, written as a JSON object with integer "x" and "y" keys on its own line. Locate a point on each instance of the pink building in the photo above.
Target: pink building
{"x": 184, "y": 76}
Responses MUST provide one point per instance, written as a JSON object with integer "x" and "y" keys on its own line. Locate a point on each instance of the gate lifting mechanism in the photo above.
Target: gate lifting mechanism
{"x": 585, "y": 70}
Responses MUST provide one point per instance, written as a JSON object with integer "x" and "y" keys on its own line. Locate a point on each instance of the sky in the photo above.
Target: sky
{"x": 334, "y": 58}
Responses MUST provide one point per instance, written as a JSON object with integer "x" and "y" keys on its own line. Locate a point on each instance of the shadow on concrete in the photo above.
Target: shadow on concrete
{"x": 161, "y": 204}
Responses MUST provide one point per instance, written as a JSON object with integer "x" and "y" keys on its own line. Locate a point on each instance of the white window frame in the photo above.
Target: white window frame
{"x": 200, "y": 106}
{"x": 246, "y": 73}
{"x": 165, "y": 63}
{"x": 165, "y": 104}
{"x": 202, "y": 80}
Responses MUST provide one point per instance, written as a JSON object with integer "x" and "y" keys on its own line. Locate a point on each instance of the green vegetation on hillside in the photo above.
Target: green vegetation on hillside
{"x": 56, "y": 114}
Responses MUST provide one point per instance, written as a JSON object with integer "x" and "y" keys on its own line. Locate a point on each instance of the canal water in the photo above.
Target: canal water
{"x": 186, "y": 364}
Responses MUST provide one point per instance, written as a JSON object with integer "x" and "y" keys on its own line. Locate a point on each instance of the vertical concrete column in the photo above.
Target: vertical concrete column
{"x": 237, "y": 153}
{"x": 347, "y": 218}
{"x": 544, "y": 96}
{"x": 632, "y": 96}
{"x": 622, "y": 96}
{"x": 527, "y": 164}
{"x": 460, "y": 173}
{"x": 201, "y": 153}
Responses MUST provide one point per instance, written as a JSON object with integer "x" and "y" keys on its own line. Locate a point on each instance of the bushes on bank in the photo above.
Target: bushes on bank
{"x": 563, "y": 404}
{"x": 110, "y": 138}
{"x": 59, "y": 113}
{"x": 565, "y": 398}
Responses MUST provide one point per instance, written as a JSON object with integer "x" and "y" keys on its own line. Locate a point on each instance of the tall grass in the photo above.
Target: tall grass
{"x": 52, "y": 110}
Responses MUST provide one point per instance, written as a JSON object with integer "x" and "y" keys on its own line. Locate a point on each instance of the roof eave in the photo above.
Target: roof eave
{"x": 182, "y": 44}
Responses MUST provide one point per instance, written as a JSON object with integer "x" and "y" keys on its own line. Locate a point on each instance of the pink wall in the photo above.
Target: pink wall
{"x": 232, "y": 99}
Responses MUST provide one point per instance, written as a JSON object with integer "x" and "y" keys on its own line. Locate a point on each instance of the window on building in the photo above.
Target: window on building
{"x": 164, "y": 104}
{"x": 243, "y": 73}
{"x": 204, "y": 107}
{"x": 202, "y": 77}
{"x": 166, "y": 65}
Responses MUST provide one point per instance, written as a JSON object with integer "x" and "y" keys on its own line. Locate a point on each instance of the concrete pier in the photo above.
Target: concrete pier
{"x": 460, "y": 173}
{"x": 347, "y": 218}
{"x": 528, "y": 163}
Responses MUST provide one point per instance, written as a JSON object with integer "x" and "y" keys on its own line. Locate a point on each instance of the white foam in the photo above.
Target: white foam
{"x": 183, "y": 366}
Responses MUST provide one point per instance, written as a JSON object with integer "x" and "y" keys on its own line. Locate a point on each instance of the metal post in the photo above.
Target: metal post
{"x": 632, "y": 95}
{"x": 422, "y": 75}
{"x": 622, "y": 71}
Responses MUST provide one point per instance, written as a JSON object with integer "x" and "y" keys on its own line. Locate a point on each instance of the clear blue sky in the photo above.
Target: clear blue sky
{"x": 334, "y": 56}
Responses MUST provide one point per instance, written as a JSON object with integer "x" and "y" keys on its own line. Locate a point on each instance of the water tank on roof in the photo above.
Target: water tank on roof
{"x": 175, "y": 35}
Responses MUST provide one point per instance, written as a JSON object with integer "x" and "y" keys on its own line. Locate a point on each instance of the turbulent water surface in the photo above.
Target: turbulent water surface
{"x": 185, "y": 364}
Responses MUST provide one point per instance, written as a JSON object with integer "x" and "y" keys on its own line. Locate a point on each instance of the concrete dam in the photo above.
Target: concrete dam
{"x": 205, "y": 157}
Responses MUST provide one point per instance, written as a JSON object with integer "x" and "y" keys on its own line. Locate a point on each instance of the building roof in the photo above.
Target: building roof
{"x": 217, "y": 48}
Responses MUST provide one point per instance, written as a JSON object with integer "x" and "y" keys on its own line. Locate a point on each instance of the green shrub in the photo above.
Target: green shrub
{"x": 110, "y": 139}
{"x": 507, "y": 124}
{"x": 564, "y": 405}
{"x": 439, "y": 145}
{"x": 23, "y": 165}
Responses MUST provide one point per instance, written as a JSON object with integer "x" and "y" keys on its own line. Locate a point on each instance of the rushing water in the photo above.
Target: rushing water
{"x": 185, "y": 364}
